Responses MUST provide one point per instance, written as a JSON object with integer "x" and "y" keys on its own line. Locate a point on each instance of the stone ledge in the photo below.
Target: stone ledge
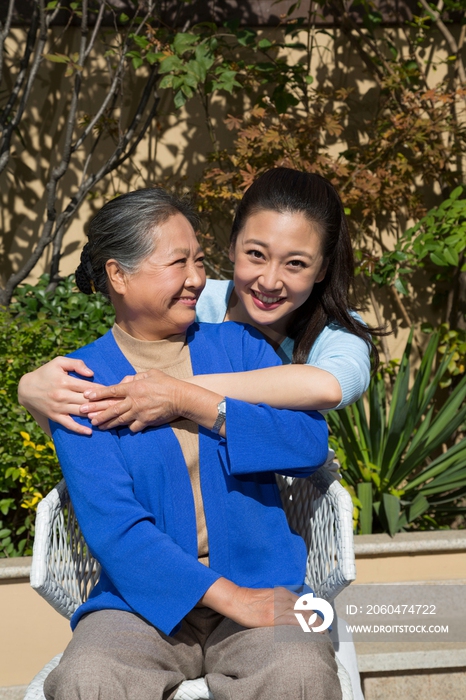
{"x": 13, "y": 692}
{"x": 431, "y": 684}
{"x": 410, "y": 543}
{"x": 406, "y": 657}
{"x": 15, "y": 568}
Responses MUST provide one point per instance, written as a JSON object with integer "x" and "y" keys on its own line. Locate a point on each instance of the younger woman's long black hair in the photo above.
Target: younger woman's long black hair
{"x": 291, "y": 191}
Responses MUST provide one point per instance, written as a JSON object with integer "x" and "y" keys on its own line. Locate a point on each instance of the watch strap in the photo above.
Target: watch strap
{"x": 221, "y": 416}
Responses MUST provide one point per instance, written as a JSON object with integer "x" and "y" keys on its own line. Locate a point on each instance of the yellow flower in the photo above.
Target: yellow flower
{"x": 32, "y": 502}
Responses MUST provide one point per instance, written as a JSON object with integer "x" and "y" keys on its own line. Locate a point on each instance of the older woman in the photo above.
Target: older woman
{"x": 198, "y": 562}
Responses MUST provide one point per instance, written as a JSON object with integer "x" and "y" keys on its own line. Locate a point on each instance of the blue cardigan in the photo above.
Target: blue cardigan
{"x": 133, "y": 497}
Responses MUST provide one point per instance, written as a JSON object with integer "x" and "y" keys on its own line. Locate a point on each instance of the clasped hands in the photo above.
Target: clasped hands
{"x": 146, "y": 399}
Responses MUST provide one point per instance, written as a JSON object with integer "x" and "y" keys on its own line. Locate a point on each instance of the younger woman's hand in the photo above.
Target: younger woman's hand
{"x": 139, "y": 401}
{"x": 50, "y": 392}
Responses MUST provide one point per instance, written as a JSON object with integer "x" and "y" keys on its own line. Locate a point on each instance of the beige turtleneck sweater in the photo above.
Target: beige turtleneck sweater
{"x": 172, "y": 357}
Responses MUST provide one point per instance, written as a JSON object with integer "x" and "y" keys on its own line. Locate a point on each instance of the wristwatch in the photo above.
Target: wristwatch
{"x": 221, "y": 416}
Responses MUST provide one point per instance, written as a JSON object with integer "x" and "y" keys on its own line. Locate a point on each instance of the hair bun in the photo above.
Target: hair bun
{"x": 84, "y": 273}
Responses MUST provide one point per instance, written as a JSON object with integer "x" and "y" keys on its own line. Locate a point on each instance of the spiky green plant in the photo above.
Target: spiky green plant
{"x": 399, "y": 450}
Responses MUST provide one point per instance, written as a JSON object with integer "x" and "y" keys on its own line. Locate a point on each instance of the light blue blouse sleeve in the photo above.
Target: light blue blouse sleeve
{"x": 344, "y": 355}
{"x": 336, "y": 350}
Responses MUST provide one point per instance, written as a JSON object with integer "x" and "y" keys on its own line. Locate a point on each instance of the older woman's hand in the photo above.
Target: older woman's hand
{"x": 139, "y": 401}
{"x": 253, "y": 607}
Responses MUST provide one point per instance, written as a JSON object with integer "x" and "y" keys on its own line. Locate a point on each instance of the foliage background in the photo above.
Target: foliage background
{"x": 38, "y": 326}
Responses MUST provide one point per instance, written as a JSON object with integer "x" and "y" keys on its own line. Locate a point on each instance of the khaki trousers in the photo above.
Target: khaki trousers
{"x": 117, "y": 655}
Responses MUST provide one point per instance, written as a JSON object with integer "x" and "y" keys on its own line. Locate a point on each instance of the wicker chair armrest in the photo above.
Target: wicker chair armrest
{"x": 321, "y": 511}
{"x": 63, "y": 572}
{"x": 35, "y": 689}
{"x": 342, "y": 507}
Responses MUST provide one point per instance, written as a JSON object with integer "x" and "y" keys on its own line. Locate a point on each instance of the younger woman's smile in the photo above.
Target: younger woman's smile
{"x": 278, "y": 258}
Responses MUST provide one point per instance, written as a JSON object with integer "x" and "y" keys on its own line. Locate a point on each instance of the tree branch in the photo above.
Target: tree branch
{"x": 400, "y": 306}
{"x": 348, "y": 27}
{"x": 55, "y": 225}
{"x": 14, "y": 123}
{"x": 23, "y": 66}
{"x": 112, "y": 164}
{"x": 379, "y": 317}
{"x": 114, "y": 85}
{"x": 98, "y": 22}
{"x": 450, "y": 39}
{"x": 4, "y": 31}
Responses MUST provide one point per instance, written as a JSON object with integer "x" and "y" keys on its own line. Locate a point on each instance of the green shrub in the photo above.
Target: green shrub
{"x": 403, "y": 458}
{"x": 36, "y": 327}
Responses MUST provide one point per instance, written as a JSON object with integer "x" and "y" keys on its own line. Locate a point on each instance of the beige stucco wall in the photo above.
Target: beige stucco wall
{"x": 31, "y": 633}
{"x": 405, "y": 568}
{"x": 411, "y": 556}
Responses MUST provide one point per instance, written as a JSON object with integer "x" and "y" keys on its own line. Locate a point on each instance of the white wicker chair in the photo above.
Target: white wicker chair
{"x": 64, "y": 572}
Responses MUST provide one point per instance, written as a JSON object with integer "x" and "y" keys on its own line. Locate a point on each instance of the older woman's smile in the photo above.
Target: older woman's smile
{"x": 188, "y": 301}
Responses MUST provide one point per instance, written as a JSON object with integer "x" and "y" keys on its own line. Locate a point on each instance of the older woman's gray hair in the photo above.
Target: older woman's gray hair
{"x": 123, "y": 230}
